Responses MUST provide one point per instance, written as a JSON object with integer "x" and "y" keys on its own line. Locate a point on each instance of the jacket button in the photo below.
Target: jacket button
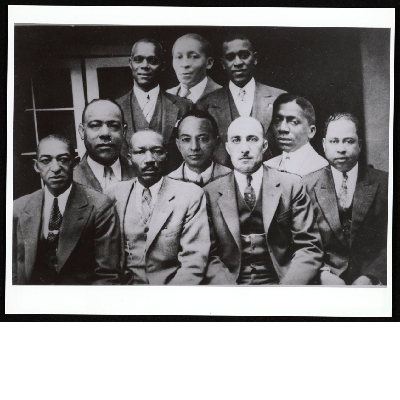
{"x": 146, "y": 229}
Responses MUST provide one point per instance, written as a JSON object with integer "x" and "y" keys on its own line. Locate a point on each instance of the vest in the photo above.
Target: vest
{"x": 256, "y": 265}
{"x": 345, "y": 221}
{"x": 140, "y": 122}
{"x": 135, "y": 236}
{"x": 232, "y": 106}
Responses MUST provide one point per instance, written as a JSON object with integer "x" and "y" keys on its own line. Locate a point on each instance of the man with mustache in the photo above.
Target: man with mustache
{"x": 261, "y": 219}
{"x": 351, "y": 207}
{"x": 165, "y": 233}
{"x": 146, "y": 106}
{"x": 192, "y": 57}
{"x": 242, "y": 97}
{"x": 293, "y": 125}
{"x": 103, "y": 132}
{"x": 65, "y": 233}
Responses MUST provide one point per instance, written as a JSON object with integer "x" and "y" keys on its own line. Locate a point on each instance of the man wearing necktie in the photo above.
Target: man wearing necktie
{"x": 197, "y": 138}
{"x": 293, "y": 125}
{"x": 65, "y": 233}
{"x": 350, "y": 203}
{"x": 103, "y": 132}
{"x": 146, "y": 106}
{"x": 165, "y": 235}
{"x": 242, "y": 97}
{"x": 262, "y": 225}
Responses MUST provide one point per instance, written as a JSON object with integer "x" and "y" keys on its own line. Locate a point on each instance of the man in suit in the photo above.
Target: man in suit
{"x": 242, "y": 97}
{"x": 197, "y": 139}
{"x": 192, "y": 56}
{"x": 293, "y": 125}
{"x": 351, "y": 206}
{"x": 146, "y": 106}
{"x": 261, "y": 219}
{"x": 63, "y": 234}
{"x": 165, "y": 233}
{"x": 103, "y": 132}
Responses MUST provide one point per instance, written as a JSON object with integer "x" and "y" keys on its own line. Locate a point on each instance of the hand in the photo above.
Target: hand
{"x": 362, "y": 280}
{"x": 331, "y": 279}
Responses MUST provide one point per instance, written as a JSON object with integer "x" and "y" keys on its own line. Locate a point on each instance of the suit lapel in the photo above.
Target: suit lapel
{"x": 162, "y": 210}
{"x": 223, "y": 113}
{"x": 364, "y": 195}
{"x": 262, "y": 107}
{"x": 229, "y": 208}
{"x": 326, "y": 197}
{"x": 87, "y": 177}
{"x": 30, "y": 222}
{"x": 76, "y": 213}
{"x": 271, "y": 193}
{"x": 169, "y": 116}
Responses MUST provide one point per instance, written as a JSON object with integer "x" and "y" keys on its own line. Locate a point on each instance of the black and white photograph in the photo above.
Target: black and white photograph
{"x": 246, "y": 159}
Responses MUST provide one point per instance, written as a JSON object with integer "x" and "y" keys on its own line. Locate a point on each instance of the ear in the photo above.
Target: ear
{"x": 265, "y": 146}
{"x": 130, "y": 63}
{"x": 178, "y": 144}
{"x": 35, "y": 166}
{"x": 222, "y": 63}
{"x": 324, "y": 144}
{"x": 210, "y": 63}
{"x": 81, "y": 131}
{"x": 255, "y": 55}
{"x": 124, "y": 130}
{"x": 227, "y": 148}
{"x": 312, "y": 132}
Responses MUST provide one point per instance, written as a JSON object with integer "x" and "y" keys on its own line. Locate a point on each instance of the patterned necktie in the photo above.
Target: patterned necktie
{"x": 147, "y": 108}
{"x": 184, "y": 92}
{"x": 54, "y": 222}
{"x": 242, "y": 93}
{"x": 107, "y": 177}
{"x": 146, "y": 205}
{"x": 283, "y": 165}
{"x": 343, "y": 195}
{"x": 249, "y": 193}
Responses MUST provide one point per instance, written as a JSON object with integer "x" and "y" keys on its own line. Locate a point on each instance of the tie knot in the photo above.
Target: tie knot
{"x": 345, "y": 176}
{"x": 242, "y": 93}
{"x": 148, "y": 97}
{"x": 55, "y": 202}
{"x": 107, "y": 171}
{"x": 184, "y": 92}
{"x": 249, "y": 179}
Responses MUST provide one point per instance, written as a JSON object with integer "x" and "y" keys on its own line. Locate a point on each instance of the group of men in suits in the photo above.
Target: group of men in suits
{"x": 188, "y": 186}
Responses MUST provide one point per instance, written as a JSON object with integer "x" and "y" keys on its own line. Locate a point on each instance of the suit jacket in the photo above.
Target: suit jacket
{"x": 217, "y": 104}
{"x": 173, "y": 108}
{"x": 84, "y": 175}
{"x": 211, "y": 86}
{"x": 368, "y": 236}
{"x": 178, "y": 237}
{"x": 311, "y": 163}
{"x": 219, "y": 170}
{"x": 291, "y": 232}
{"x": 88, "y": 247}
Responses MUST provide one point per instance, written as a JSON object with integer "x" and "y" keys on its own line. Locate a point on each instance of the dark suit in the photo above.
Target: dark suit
{"x": 218, "y": 104}
{"x": 366, "y": 252}
{"x": 88, "y": 246}
{"x": 84, "y": 175}
{"x": 291, "y": 233}
{"x": 172, "y": 109}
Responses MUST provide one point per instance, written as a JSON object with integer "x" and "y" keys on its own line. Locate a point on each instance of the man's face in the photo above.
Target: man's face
{"x": 190, "y": 62}
{"x": 196, "y": 143}
{"x": 246, "y": 145}
{"x": 341, "y": 145}
{"x": 239, "y": 61}
{"x": 55, "y": 165}
{"x": 103, "y": 132}
{"x": 146, "y": 65}
{"x": 291, "y": 128}
{"x": 148, "y": 157}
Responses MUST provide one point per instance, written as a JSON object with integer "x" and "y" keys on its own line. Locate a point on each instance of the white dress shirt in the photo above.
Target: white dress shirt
{"x": 142, "y": 99}
{"x": 295, "y": 159}
{"x": 256, "y": 181}
{"x": 48, "y": 205}
{"x": 196, "y": 91}
{"x": 98, "y": 171}
{"x": 139, "y": 194}
{"x": 351, "y": 182}
{"x": 244, "y": 107}
{"x": 195, "y": 177}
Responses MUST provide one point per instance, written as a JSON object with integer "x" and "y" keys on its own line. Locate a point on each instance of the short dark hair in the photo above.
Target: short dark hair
{"x": 303, "y": 103}
{"x": 205, "y": 44}
{"x": 65, "y": 140}
{"x": 156, "y": 44}
{"x": 237, "y": 36}
{"x": 345, "y": 115}
{"x": 142, "y": 130}
{"x": 97, "y": 100}
{"x": 201, "y": 115}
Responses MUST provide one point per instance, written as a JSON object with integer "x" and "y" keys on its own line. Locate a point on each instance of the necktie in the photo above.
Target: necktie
{"x": 146, "y": 205}
{"x": 107, "y": 177}
{"x": 343, "y": 195}
{"x": 199, "y": 181}
{"x": 242, "y": 93}
{"x": 184, "y": 92}
{"x": 147, "y": 108}
{"x": 283, "y": 166}
{"x": 249, "y": 193}
{"x": 54, "y": 222}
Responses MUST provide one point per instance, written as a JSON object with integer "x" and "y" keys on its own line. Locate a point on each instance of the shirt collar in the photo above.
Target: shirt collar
{"x": 142, "y": 96}
{"x": 197, "y": 90}
{"x": 351, "y": 175}
{"x": 250, "y": 88}
{"x": 98, "y": 169}
{"x": 62, "y": 198}
{"x": 193, "y": 176}
{"x": 153, "y": 189}
{"x": 298, "y": 155}
{"x": 256, "y": 181}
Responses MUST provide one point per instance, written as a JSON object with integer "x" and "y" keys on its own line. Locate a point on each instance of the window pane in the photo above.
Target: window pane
{"x": 52, "y": 88}
{"x": 24, "y": 133}
{"x": 25, "y": 179}
{"x": 114, "y": 82}
{"x": 56, "y": 122}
